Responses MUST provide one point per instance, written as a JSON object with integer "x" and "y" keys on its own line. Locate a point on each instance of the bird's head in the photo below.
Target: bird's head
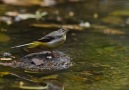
{"x": 63, "y": 31}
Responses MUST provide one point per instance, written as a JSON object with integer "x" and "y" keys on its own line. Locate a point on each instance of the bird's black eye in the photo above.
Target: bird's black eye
{"x": 64, "y": 29}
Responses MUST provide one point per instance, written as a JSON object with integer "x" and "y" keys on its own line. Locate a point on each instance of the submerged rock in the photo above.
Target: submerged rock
{"x": 42, "y": 62}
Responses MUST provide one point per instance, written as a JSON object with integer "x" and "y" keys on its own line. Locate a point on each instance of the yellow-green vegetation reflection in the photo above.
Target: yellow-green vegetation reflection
{"x": 4, "y": 37}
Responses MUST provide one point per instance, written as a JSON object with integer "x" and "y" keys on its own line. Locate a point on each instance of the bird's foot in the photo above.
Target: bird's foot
{"x": 52, "y": 55}
{"x": 55, "y": 55}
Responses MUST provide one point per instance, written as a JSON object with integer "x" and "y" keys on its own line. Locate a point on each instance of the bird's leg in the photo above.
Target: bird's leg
{"x": 52, "y": 53}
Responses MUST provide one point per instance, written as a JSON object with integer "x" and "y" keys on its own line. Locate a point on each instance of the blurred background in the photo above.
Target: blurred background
{"x": 98, "y": 41}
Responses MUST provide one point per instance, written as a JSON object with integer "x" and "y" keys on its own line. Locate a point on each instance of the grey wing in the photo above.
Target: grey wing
{"x": 46, "y": 39}
{"x": 49, "y": 38}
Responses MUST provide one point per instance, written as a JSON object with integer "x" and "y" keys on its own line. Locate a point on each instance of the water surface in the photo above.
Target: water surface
{"x": 100, "y": 53}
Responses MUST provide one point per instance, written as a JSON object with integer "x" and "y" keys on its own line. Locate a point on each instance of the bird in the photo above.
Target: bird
{"x": 50, "y": 41}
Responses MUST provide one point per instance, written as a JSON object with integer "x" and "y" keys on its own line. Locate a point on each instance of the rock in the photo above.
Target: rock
{"x": 43, "y": 62}
{"x": 37, "y": 61}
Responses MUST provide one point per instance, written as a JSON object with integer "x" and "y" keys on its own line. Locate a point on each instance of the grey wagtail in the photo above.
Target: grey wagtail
{"x": 50, "y": 41}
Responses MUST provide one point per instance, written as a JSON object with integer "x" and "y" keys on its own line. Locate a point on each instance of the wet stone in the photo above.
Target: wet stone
{"x": 44, "y": 61}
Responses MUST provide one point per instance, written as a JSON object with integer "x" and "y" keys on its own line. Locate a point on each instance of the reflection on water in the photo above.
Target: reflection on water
{"x": 99, "y": 52}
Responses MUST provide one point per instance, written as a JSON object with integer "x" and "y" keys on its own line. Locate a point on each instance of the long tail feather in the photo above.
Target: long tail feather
{"x": 22, "y": 45}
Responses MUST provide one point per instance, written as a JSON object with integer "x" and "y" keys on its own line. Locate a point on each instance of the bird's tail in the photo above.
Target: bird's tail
{"x": 22, "y": 45}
